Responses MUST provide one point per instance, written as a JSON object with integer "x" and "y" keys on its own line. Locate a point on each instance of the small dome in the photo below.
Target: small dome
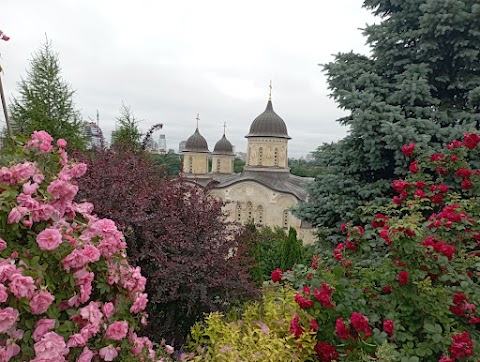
{"x": 196, "y": 143}
{"x": 268, "y": 124}
{"x": 223, "y": 147}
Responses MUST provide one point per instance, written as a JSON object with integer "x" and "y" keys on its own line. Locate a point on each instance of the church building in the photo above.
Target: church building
{"x": 265, "y": 190}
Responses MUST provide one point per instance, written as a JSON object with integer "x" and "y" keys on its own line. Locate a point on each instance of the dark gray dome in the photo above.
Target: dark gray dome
{"x": 268, "y": 124}
{"x": 223, "y": 147}
{"x": 196, "y": 143}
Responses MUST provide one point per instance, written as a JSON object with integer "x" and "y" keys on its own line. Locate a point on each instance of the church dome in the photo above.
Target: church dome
{"x": 223, "y": 147}
{"x": 196, "y": 143}
{"x": 268, "y": 124}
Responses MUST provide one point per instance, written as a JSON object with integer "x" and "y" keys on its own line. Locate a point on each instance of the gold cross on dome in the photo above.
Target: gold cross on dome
{"x": 270, "y": 95}
{"x": 224, "y": 127}
{"x": 198, "y": 118}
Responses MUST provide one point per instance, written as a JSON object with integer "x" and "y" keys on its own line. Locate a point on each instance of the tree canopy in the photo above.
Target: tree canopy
{"x": 45, "y": 101}
{"x": 421, "y": 83}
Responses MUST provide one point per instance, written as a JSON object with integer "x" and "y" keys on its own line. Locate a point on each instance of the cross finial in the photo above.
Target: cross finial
{"x": 270, "y": 95}
{"x": 224, "y": 127}
{"x": 198, "y": 118}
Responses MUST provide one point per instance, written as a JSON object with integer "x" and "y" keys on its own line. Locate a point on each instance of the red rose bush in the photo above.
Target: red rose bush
{"x": 405, "y": 287}
{"x": 67, "y": 291}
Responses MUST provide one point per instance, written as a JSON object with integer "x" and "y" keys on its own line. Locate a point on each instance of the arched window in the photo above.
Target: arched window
{"x": 190, "y": 165}
{"x": 260, "y": 156}
{"x": 285, "y": 219}
{"x": 249, "y": 211}
{"x": 218, "y": 165}
{"x": 260, "y": 214}
{"x": 239, "y": 212}
{"x": 276, "y": 157}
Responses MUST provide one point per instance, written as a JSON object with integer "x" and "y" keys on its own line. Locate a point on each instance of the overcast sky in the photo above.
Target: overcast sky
{"x": 169, "y": 60}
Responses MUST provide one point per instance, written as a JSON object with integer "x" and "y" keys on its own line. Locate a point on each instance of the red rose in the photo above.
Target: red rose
{"x": 471, "y": 140}
{"x": 403, "y": 277}
{"x": 408, "y": 149}
{"x": 466, "y": 184}
{"x": 360, "y": 323}
{"x": 388, "y": 326}
{"x": 326, "y": 352}
{"x": 277, "y": 275}
{"x": 463, "y": 172}
{"x": 343, "y": 331}
{"x": 387, "y": 289}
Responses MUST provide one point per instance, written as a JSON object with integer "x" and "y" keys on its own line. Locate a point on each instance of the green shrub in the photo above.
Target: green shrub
{"x": 257, "y": 332}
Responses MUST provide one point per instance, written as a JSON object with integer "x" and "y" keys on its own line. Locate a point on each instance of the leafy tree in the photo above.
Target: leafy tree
{"x": 127, "y": 134}
{"x": 46, "y": 101}
{"x": 420, "y": 84}
{"x": 238, "y": 165}
{"x": 171, "y": 162}
{"x": 177, "y": 233}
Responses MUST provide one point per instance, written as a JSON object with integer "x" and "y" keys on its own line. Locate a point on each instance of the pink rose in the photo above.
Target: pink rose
{"x": 29, "y": 188}
{"x": 16, "y": 214}
{"x": 51, "y": 347}
{"x": 91, "y": 253}
{"x": 3, "y": 293}
{"x": 3, "y": 244}
{"x": 74, "y": 260}
{"x": 139, "y": 304}
{"x": 8, "y": 318}
{"x": 41, "y": 302}
{"x": 49, "y": 239}
{"x": 108, "y": 309}
{"x": 76, "y": 340}
{"x": 22, "y": 286}
{"x": 117, "y": 330}
{"x": 108, "y": 353}
{"x": 86, "y": 355}
{"x": 61, "y": 143}
{"x": 43, "y": 326}
{"x": 7, "y": 269}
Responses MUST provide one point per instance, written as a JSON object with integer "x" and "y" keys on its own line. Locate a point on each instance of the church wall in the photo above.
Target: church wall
{"x": 267, "y": 152}
{"x": 222, "y": 164}
{"x": 195, "y": 163}
{"x": 267, "y": 207}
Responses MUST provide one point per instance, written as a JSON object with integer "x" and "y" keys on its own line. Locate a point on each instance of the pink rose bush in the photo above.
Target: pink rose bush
{"x": 67, "y": 291}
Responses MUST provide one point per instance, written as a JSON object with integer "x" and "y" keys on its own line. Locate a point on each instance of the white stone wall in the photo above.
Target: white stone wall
{"x": 249, "y": 199}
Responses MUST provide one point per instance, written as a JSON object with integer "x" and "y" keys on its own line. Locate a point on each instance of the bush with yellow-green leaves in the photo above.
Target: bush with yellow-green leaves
{"x": 259, "y": 331}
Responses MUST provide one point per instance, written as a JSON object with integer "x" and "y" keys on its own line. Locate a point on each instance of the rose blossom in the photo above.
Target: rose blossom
{"x": 108, "y": 309}
{"x": 277, "y": 275}
{"x": 51, "y": 347}
{"x": 22, "y": 286}
{"x": 108, "y": 353}
{"x": 139, "y": 304}
{"x": 8, "y": 317}
{"x": 49, "y": 239}
{"x": 117, "y": 330}
{"x": 61, "y": 143}
{"x": 76, "y": 340}
{"x": 43, "y": 326}
{"x": 3, "y": 244}
{"x": 86, "y": 355}
{"x": 41, "y": 302}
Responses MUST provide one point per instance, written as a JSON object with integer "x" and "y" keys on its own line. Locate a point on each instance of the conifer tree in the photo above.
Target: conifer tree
{"x": 420, "y": 84}
{"x": 292, "y": 250}
{"x": 45, "y": 101}
{"x": 127, "y": 134}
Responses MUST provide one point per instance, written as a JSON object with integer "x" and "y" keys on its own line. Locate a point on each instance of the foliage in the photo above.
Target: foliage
{"x": 258, "y": 332}
{"x": 304, "y": 168}
{"x": 46, "y": 101}
{"x": 67, "y": 292}
{"x": 127, "y": 134}
{"x": 177, "y": 233}
{"x": 406, "y": 287}
{"x": 420, "y": 84}
{"x": 271, "y": 248}
{"x": 238, "y": 165}
{"x": 171, "y": 161}
{"x": 292, "y": 251}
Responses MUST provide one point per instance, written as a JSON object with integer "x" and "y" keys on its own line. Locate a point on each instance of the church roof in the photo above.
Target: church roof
{"x": 268, "y": 124}
{"x": 279, "y": 181}
{"x": 223, "y": 147}
{"x": 196, "y": 143}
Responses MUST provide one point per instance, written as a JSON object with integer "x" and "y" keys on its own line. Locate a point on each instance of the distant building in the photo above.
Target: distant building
{"x": 162, "y": 144}
{"x": 265, "y": 191}
{"x": 94, "y": 134}
{"x": 171, "y": 151}
{"x": 181, "y": 146}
